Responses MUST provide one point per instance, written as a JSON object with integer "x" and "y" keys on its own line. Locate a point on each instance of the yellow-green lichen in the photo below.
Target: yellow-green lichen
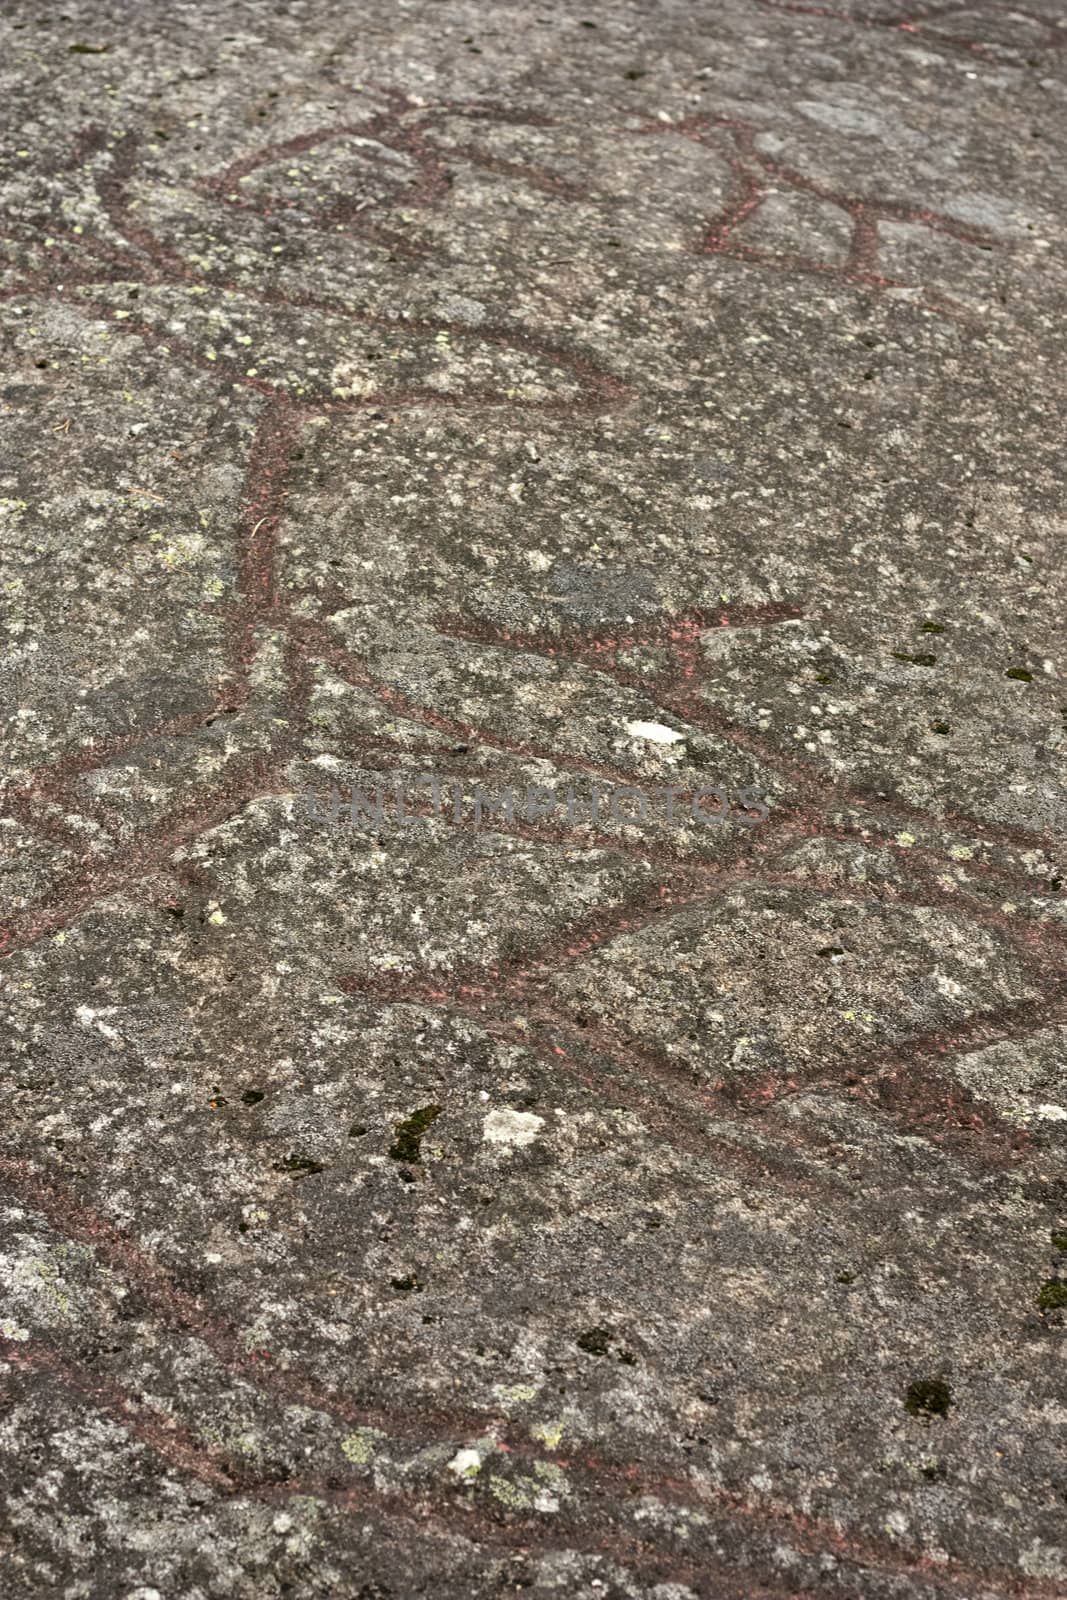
{"x": 516, "y": 1394}
{"x": 359, "y": 1447}
{"x": 513, "y": 1496}
{"x": 538, "y": 1493}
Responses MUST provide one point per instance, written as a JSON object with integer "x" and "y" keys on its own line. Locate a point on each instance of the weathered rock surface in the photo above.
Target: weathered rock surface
{"x": 510, "y": 399}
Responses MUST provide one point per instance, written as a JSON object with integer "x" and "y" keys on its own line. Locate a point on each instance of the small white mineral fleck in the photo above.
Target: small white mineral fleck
{"x": 465, "y": 1463}
{"x": 656, "y": 731}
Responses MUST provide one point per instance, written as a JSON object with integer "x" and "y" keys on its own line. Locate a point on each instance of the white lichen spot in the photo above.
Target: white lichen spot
{"x": 512, "y": 1128}
{"x": 1041, "y": 1560}
{"x": 348, "y": 382}
{"x": 91, "y": 1019}
{"x": 1050, "y": 1113}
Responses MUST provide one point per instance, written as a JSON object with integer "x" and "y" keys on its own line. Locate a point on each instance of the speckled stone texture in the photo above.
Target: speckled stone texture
{"x": 506, "y": 396}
